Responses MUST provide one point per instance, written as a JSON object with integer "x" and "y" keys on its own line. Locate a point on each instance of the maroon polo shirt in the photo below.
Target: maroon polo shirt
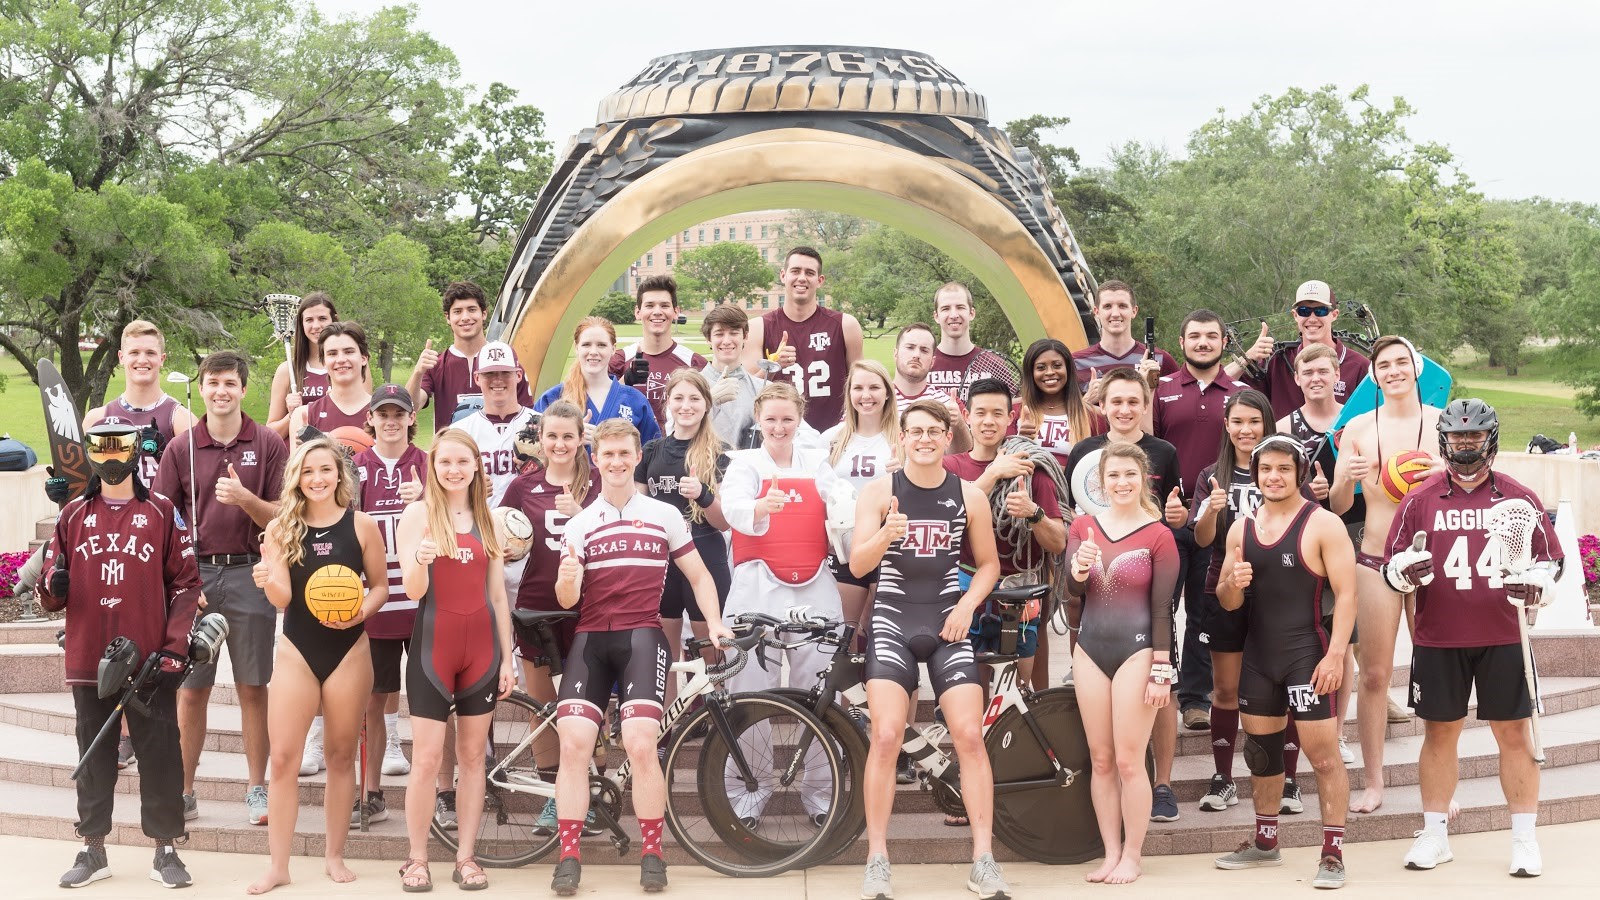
{"x": 1095, "y": 357}
{"x": 1285, "y": 395}
{"x": 1188, "y": 416}
{"x": 453, "y": 379}
{"x": 257, "y": 454}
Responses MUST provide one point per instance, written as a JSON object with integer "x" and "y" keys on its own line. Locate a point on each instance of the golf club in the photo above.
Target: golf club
{"x": 188, "y": 404}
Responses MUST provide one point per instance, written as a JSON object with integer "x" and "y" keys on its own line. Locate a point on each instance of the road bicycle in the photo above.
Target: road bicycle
{"x": 705, "y": 743}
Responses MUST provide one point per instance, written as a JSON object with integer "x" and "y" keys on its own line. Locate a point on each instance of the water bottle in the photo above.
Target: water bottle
{"x": 1572, "y": 442}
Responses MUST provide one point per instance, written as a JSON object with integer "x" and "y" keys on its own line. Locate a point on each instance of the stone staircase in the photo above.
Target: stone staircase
{"x": 38, "y": 750}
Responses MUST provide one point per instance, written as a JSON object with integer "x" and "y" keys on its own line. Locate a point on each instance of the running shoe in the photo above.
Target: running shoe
{"x": 652, "y": 873}
{"x": 985, "y": 879}
{"x": 1164, "y": 804}
{"x": 1220, "y": 795}
{"x": 1330, "y": 874}
{"x": 191, "y": 808}
{"x": 1196, "y": 719}
{"x": 168, "y": 870}
{"x": 876, "y": 885}
{"x": 547, "y": 824}
{"x": 311, "y": 761}
{"x": 444, "y": 810}
{"x": 568, "y": 873}
{"x": 377, "y": 809}
{"x": 394, "y": 761}
{"x": 1249, "y": 856}
{"x": 1431, "y": 848}
{"x": 125, "y": 757}
{"x": 1345, "y": 753}
{"x": 1526, "y": 861}
{"x": 904, "y": 771}
{"x": 255, "y": 800}
{"x": 1291, "y": 804}
{"x": 90, "y": 866}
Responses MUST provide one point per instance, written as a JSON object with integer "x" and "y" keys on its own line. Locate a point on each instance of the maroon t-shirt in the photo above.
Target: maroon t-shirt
{"x": 820, "y": 362}
{"x": 536, "y": 497}
{"x": 118, "y": 412}
{"x": 1044, "y": 493}
{"x": 133, "y": 575}
{"x": 257, "y": 454}
{"x": 1189, "y": 416}
{"x": 662, "y": 365}
{"x": 453, "y": 380}
{"x": 379, "y": 487}
{"x": 1286, "y": 396}
{"x": 325, "y": 415}
{"x": 950, "y": 372}
{"x": 1096, "y": 357}
{"x": 1465, "y": 604}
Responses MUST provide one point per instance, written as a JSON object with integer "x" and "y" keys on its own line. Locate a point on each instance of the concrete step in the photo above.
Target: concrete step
{"x": 43, "y": 633}
{"x": 32, "y": 668}
{"x": 45, "y": 528}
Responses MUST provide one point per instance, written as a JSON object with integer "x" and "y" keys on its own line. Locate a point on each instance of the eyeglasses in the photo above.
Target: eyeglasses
{"x": 1306, "y": 312}
{"x": 917, "y": 434}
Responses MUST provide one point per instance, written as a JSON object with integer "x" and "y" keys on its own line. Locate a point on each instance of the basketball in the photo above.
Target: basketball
{"x": 333, "y": 593}
{"x": 1404, "y": 471}
{"x": 355, "y": 439}
{"x": 516, "y": 530}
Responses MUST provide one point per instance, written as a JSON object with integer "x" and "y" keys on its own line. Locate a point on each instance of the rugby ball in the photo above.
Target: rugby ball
{"x": 515, "y": 530}
{"x": 1404, "y": 471}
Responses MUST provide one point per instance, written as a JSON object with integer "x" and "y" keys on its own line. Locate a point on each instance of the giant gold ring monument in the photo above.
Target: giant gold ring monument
{"x": 885, "y": 134}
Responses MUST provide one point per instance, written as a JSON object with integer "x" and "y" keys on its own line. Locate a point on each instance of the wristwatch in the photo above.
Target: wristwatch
{"x": 1038, "y": 515}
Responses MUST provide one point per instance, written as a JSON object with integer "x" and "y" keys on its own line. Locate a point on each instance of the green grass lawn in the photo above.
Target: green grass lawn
{"x": 1532, "y": 402}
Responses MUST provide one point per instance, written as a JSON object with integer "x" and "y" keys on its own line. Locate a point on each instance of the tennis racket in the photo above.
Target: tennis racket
{"x": 989, "y": 364}
{"x": 1511, "y": 524}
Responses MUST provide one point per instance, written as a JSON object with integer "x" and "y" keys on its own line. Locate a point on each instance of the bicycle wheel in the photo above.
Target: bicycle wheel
{"x": 853, "y": 744}
{"x": 1049, "y": 824}
{"x": 506, "y": 836}
{"x": 747, "y": 808}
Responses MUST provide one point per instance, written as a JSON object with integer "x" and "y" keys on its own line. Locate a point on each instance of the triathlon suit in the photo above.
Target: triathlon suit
{"x": 820, "y": 363}
{"x": 536, "y": 497}
{"x": 159, "y": 417}
{"x": 455, "y": 655}
{"x": 324, "y": 415}
{"x": 918, "y": 587}
{"x": 625, "y": 553}
{"x": 659, "y": 471}
{"x": 1127, "y": 599}
{"x": 322, "y": 647}
{"x": 864, "y": 459}
{"x": 1285, "y": 639}
{"x": 314, "y": 386}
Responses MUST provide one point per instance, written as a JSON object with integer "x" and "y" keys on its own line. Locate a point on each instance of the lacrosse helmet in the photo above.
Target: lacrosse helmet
{"x": 1469, "y": 415}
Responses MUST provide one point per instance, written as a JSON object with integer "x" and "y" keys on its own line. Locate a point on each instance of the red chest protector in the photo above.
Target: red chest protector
{"x": 796, "y": 543}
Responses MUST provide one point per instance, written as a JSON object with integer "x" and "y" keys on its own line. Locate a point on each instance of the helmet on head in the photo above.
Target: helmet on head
{"x": 1469, "y": 414}
{"x": 113, "y": 451}
{"x": 1282, "y": 443}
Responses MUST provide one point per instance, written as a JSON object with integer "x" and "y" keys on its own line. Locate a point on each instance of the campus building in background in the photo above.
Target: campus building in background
{"x": 761, "y": 230}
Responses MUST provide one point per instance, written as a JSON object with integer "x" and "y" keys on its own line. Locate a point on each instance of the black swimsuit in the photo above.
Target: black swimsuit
{"x": 337, "y": 545}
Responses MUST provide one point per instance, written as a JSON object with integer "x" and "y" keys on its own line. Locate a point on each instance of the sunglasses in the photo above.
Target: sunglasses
{"x": 1306, "y": 312}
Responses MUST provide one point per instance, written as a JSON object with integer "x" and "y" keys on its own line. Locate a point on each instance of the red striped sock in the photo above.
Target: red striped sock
{"x": 650, "y": 836}
{"x": 1266, "y": 832}
{"x": 571, "y": 831}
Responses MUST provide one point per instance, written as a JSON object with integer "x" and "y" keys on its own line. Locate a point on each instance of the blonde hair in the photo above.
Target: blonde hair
{"x": 705, "y": 446}
{"x": 1316, "y": 352}
{"x": 888, "y": 420}
{"x": 574, "y": 389}
{"x": 143, "y": 328}
{"x": 778, "y": 390}
{"x": 582, "y": 468}
{"x": 438, "y": 507}
{"x": 288, "y": 526}
{"x": 1119, "y": 450}
{"x": 616, "y": 428}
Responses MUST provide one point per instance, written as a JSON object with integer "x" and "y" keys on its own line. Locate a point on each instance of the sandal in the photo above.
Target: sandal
{"x": 415, "y": 877}
{"x": 956, "y": 821}
{"x": 469, "y": 875}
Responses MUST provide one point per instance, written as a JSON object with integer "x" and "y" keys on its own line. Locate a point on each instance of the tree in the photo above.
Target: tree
{"x": 726, "y": 272}
{"x": 398, "y": 306}
{"x": 616, "y": 306}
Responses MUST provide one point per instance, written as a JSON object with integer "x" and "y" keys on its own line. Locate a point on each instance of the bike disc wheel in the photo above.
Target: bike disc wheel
{"x": 506, "y": 836}
{"x": 713, "y": 813}
{"x": 853, "y": 745}
{"x": 1049, "y": 824}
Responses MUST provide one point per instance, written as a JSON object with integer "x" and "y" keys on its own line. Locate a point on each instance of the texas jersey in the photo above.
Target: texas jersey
{"x": 863, "y": 459}
{"x": 662, "y": 365}
{"x": 625, "y": 553}
{"x": 536, "y": 497}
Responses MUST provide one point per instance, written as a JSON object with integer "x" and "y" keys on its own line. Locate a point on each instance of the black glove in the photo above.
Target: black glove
{"x": 56, "y": 488}
{"x": 638, "y": 373}
{"x": 60, "y": 581}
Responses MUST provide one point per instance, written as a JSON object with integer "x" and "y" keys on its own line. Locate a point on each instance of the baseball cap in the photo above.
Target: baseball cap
{"x": 1314, "y": 292}
{"x": 496, "y": 356}
{"x": 392, "y": 395}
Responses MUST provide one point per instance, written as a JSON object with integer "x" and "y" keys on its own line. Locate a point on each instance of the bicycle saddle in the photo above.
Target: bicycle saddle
{"x": 1019, "y": 596}
{"x": 532, "y": 618}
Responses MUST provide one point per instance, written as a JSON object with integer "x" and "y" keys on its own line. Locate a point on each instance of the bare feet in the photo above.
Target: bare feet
{"x": 267, "y": 882}
{"x": 1126, "y": 872}
{"x": 338, "y": 871}
{"x": 1105, "y": 869}
{"x": 1367, "y": 801}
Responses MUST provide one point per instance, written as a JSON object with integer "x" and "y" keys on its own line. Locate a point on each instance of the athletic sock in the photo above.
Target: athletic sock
{"x": 95, "y": 841}
{"x": 1266, "y": 832}
{"x": 1436, "y": 821}
{"x": 571, "y": 831}
{"x": 391, "y": 723}
{"x": 1291, "y": 748}
{"x": 1522, "y": 825}
{"x": 650, "y": 836}
{"x": 1333, "y": 841}
{"x": 1224, "y": 734}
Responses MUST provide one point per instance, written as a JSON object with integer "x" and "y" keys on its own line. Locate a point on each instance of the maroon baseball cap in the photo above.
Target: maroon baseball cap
{"x": 392, "y": 395}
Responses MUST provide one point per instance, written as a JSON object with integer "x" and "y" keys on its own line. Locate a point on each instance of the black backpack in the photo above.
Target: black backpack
{"x": 15, "y": 456}
{"x": 1542, "y": 444}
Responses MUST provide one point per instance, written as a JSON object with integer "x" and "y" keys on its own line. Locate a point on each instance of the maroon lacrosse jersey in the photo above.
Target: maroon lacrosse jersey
{"x": 118, "y": 412}
{"x": 324, "y": 415}
{"x": 314, "y": 386}
{"x": 820, "y": 363}
{"x": 133, "y": 575}
{"x": 625, "y": 553}
{"x": 662, "y": 365}
{"x": 257, "y": 454}
{"x": 536, "y": 497}
{"x": 1042, "y": 488}
{"x": 1465, "y": 604}
{"x": 1095, "y": 358}
{"x": 453, "y": 382}
{"x": 380, "y": 481}
{"x": 953, "y": 374}
{"x": 1286, "y": 396}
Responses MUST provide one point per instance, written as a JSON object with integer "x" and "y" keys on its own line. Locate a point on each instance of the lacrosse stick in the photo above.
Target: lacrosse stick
{"x": 1512, "y": 523}
{"x": 281, "y": 310}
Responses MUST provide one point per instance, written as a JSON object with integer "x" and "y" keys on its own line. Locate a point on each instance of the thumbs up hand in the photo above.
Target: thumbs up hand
{"x": 259, "y": 573}
{"x": 1087, "y": 557}
{"x": 1019, "y": 502}
{"x": 689, "y": 487}
{"x": 1261, "y": 350}
{"x": 588, "y": 427}
{"x": 571, "y": 567}
{"x": 1242, "y": 573}
{"x": 896, "y": 523}
{"x": 726, "y": 390}
{"x": 1319, "y": 483}
{"x": 1025, "y": 424}
{"x": 427, "y": 550}
{"x": 1215, "y": 501}
{"x": 1091, "y": 394}
{"x": 566, "y": 504}
{"x": 772, "y": 502}
{"x": 231, "y": 490}
{"x": 428, "y": 358}
{"x": 411, "y": 489}
{"x": 1175, "y": 512}
{"x": 785, "y": 355}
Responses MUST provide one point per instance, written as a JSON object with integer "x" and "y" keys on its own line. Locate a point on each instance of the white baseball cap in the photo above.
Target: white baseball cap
{"x": 496, "y": 356}
{"x": 1314, "y": 292}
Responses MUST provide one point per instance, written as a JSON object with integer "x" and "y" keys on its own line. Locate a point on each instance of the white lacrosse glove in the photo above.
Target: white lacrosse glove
{"x": 1410, "y": 569}
{"x": 1533, "y": 588}
{"x": 841, "y": 502}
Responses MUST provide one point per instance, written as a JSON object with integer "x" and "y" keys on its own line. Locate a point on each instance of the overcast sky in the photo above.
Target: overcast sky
{"x": 1510, "y": 87}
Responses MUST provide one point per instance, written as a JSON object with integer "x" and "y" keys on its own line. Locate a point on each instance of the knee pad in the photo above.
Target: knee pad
{"x": 1263, "y": 754}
